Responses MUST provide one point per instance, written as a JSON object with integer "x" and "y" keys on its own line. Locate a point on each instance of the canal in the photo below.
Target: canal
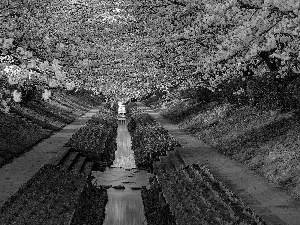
{"x": 125, "y": 205}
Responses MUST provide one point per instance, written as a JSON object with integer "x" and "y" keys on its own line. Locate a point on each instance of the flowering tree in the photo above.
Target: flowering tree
{"x": 131, "y": 47}
{"x": 218, "y": 41}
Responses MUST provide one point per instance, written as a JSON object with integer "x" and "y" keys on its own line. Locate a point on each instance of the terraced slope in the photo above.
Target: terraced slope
{"x": 196, "y": 197}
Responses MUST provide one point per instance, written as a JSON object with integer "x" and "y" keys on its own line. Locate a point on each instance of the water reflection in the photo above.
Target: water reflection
{"x": 124, "y": 207}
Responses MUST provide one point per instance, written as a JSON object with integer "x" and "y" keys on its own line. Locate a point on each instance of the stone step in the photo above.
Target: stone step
{"x": 78, "y": 165}
{"x": 60, "y": 155}
{"x": 69, "y": 160}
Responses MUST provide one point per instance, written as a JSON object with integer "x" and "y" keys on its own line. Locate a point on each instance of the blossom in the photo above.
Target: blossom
{"x": 8, "y": 43}
{"x": 70, "y": 85}
{"x": 46, "y": 95}
{"x": 4, "y": 106}
{"x": 14, "y": 74}
{"x": 53, "y": 83}
{"x": 17, "y": 96}
{"x": 44, "y": 65}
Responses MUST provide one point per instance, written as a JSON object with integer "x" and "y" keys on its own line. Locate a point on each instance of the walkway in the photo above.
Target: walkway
{"x": 17, "y": 173}
{"x": 267, "y": 200}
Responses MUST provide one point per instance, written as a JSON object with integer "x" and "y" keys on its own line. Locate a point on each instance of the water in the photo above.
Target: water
{"x": 124, "y": 207}
{"x": 124, "y": 155}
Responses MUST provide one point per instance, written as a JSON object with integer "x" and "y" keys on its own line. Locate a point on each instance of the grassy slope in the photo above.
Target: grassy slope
{"x": 27, "y": 125}
{"x": 266, "y": 141}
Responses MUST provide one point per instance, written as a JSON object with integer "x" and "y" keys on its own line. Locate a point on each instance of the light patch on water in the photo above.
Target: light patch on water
{"x": 119, "y": 176}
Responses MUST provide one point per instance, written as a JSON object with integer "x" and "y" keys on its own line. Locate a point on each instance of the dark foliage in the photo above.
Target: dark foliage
{"x": 91, "y": 206}
{"x": 157, "y": 211}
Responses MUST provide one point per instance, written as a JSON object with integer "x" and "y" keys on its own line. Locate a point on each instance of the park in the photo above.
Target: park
{"x": 158, "y": 112}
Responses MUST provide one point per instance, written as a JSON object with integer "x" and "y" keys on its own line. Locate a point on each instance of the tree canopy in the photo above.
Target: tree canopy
{"x": 130, "y": 47}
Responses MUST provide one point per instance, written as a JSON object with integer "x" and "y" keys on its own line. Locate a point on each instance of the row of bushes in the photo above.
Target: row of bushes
{"x": 49, "y": 197}
{"x": 90, "y": 208}
{"x": 157, "y": 211}
{"x": 97, "y": 140}
{"x": 196, "y": 197}
{"x": 149, "y": 139}
{"x": 54, "y": 196}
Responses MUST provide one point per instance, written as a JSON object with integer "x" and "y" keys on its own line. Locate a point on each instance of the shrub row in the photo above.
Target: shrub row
{"x": 157, "y": 211}
{"x": 49, "y": 197}
{"x": 137, "y": 117}
{"x": 91, "y": 206}
{"x": 97, "y": 139}
{"x": 196, "y": 197}
{"x": 149, "y": 139}
{"x": 52, "y": 196}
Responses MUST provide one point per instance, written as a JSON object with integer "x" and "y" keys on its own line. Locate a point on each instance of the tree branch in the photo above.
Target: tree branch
{"x": 245, "y": 5}
{"x": 176, "y": 2}
{"x": 249, "y": 5}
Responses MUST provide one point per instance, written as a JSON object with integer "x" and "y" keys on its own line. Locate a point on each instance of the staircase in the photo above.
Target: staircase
{"x": 74, "y": 161}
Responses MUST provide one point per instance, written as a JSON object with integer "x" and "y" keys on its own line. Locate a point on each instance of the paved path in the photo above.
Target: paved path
{"x": 18, "y": 172}
{"x": 267, "y": 200}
